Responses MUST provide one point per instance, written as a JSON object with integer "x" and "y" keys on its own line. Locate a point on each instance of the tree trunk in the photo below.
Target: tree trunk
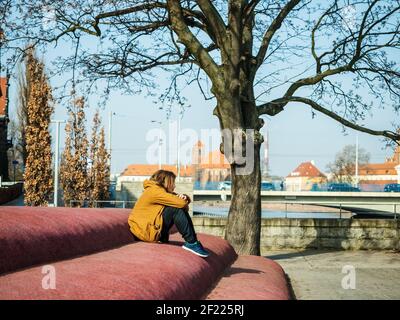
{"x": 243, "y": 227}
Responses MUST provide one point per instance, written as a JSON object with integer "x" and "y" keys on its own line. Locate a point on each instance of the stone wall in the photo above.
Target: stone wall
{"x": 347, "y": 234}
{"x": 132, "y": 190}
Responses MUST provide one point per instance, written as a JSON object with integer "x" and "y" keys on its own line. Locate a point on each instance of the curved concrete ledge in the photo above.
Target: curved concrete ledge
{"x": 34, "y": 235}
{"x": 252, "y": 278}
{"x": 93, "y": 256}
{"x": 137, "y": 271}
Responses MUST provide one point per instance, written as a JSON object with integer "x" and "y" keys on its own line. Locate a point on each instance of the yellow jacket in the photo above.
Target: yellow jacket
{"x": 145, "y": 220}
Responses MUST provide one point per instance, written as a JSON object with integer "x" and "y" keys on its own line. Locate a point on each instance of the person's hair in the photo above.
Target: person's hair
{"x": 163, "y": 178}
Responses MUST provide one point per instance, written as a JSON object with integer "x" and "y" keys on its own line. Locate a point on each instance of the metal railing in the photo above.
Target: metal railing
{"x": 333, "y": 186}
{"x": 86, "y": 203}
{"x": 337, "y": 210}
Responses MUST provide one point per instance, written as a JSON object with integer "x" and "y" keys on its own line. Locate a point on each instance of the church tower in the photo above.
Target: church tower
{"x": 197, "y": 155}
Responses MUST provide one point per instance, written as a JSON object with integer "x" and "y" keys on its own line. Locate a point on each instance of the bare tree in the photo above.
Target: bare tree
{"x": 257, "y": 58}
{"x": 343, "y": 169}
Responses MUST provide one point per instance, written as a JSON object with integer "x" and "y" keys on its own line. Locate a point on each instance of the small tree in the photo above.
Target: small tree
{"x": 103, "y": 170}
{"x": 38, "y": 172}
{"x": 99, "y": 175}
{"x": 73, "y": 168}
{"x": 344, "y": 167}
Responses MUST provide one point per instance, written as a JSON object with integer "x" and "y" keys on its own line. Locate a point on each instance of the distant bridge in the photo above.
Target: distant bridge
{"x": 377, "y": 202}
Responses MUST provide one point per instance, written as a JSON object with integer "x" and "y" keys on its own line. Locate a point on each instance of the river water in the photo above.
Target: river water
{"x": 223, "y": 212}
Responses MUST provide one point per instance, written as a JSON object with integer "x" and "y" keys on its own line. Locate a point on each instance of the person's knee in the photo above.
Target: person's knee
{"x": 180, "y": 212}
{"x": 181, "y": 215}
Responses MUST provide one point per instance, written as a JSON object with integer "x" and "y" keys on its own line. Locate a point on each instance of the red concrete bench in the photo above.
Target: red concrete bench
{"x": 94, "y": 256}
{"x": 34, "y": 235}
{"x": 251, "y": 278}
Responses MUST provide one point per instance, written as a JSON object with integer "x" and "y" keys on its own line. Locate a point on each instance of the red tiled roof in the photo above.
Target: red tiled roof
{"x": 149, "y": 169}
{"x": 3, "y": 88}
{"x": 213, "y": 160}
{"x": 306, "y": 169}
{"x": 387, "y": 168}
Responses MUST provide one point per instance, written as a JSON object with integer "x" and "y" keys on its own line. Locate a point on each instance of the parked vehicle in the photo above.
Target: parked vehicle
{"x": 267, "y": 186}
{"x": 342, "y": 187}
{"x": 392, "y": 187}
{"x": 225, "y": 185}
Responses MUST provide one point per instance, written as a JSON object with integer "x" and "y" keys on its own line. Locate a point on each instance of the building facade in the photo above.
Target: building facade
{"x": 304, "y": 177}
{"x": 374, "y": 176}
{"x": 141, "y": 172}
{"x": 205, "y": 168}
{"x": 5, "y": 144}
{"x": 209, "y": 167}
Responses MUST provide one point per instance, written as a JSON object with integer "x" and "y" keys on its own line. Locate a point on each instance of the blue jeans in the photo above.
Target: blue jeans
{"x": 183, "y": 223}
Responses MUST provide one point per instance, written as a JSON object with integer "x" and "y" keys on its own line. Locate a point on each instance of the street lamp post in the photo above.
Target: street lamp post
{"x": 109, "y": 136}
{"x": 57, "y": 122}
{"x": 357, "y": 160}
{"x": 1, "y": 44}
{"x": 178, "y": 157}
{"x": 14, "y": 163}
{"x": 159, "y": 144}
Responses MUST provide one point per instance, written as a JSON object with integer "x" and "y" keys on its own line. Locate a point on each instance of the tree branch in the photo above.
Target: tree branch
{"x": 117, "y": 13}
{"x": 191, "y": 42}
{"x": 214, "y": 20}
{"x": 385, "y": 133}
{"x": 275, "y": 25}
{"x": 273, "y": 107}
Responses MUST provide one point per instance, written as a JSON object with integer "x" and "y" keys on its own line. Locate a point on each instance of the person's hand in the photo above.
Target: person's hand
{"x": 187, "y": 198}
{"x": 182, "y": 196}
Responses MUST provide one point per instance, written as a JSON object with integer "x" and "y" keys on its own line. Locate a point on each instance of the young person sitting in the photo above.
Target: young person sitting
{"x": 159, "y": 208}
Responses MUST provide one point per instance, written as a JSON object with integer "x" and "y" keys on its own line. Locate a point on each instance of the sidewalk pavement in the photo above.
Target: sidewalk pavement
{"x": 319, "y": 275}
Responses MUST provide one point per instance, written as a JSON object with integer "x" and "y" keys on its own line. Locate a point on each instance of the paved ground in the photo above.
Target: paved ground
{"x": 316, "y": 274}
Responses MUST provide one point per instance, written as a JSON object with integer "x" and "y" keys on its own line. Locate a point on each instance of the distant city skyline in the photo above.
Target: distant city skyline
{"x": 293, "y": 136}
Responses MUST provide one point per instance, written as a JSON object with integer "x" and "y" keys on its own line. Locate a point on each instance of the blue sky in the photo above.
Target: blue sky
{"x": 294, "y": 137}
